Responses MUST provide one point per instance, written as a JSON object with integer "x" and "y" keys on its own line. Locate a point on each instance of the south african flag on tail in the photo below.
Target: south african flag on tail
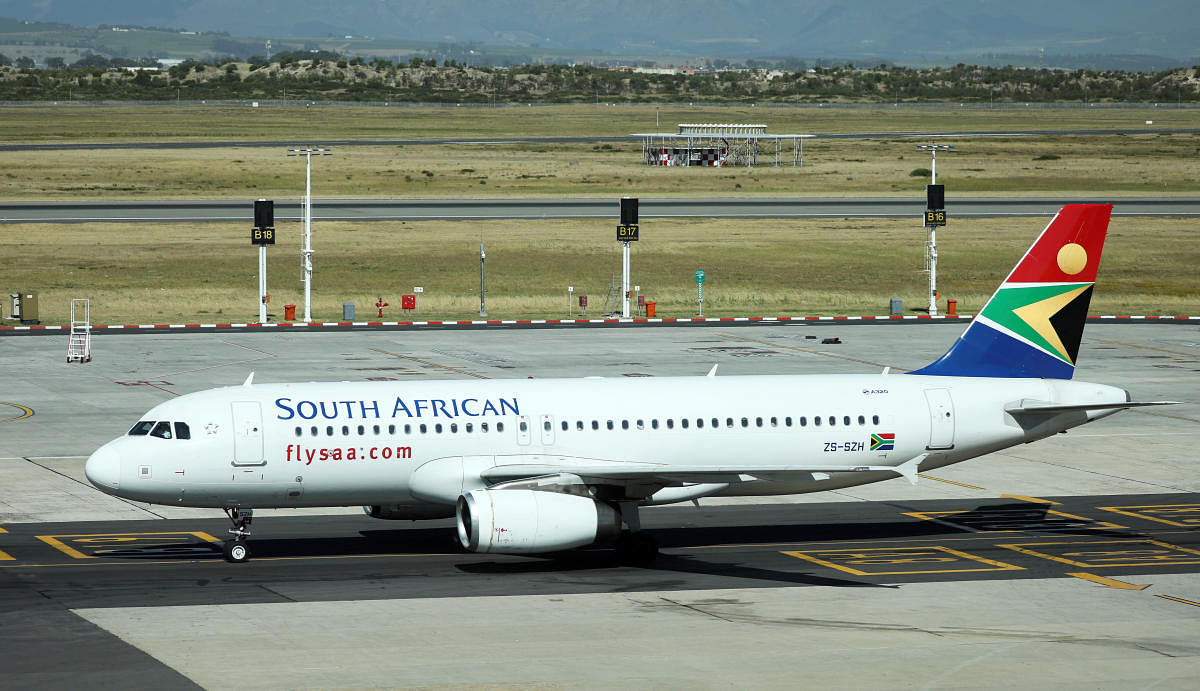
{"x": 883, "y": 442}
{"x": 1032, "y": 325}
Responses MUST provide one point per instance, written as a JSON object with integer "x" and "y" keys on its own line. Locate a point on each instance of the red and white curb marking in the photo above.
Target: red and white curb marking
{"x": 552, "y": 322}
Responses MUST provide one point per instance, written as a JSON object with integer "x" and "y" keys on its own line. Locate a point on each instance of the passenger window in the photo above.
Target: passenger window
{"x": 299, "y": 431}
{"x": 579, "y": 425}
{"x": 408, "y": 429}
{"x": 862, "y": 420}
{"x": 361, "y": 430}
{"x": 787, "y": 421}
{"x": 524, "y": 426}
{"x": 758, "y": 422}
{"x": 745, "y": 422}
{"x": 683, "y": 422}
{"x": 846, "y": 420}
{"x": 610, "y": 424}
{"x": 391, "y": 429}
{"x": 313, "y": 430}
{"x": 546, "y": 425}
{"x": 375, "y": 429}
{"x": 162, "y": 430}
{"x": 729, "y": 422}
{"x": 469, "y": 427}
{"x": 329, "y": 431}
{"x": 182, "y": 431}
{"x": 482, "y": 427}
{"x": 595, "y": 425}
{"x": 774, "y": 422}
{"x": 670, "y": 423}
{"x": 803, "y": 421}
{"x": 422, "y": 427}
{"x": 438, "y": 428}
{"x": 874, "y": 419}
{"x": 817, "y": 420}
{"x": 654, "y": 423}
{"x": 565, "y": 426}
{"x": 641, "y": 424}
{"x": 345, "y": 430}
{"x": 699, "y": 423}
{"x": 624, "y": 424}
{"x": 454, "y": 428}
{"x": 142, "y": 428}
{"x": 716, "y": 423}
{"x": 499, "y": 426}
{"x": 832, "y": 421}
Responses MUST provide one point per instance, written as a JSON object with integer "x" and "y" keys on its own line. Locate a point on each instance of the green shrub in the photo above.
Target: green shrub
{"x": 919, "y": 173}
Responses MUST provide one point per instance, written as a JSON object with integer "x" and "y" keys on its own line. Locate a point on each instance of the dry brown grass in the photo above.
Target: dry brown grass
{"x": 190, "y": 273}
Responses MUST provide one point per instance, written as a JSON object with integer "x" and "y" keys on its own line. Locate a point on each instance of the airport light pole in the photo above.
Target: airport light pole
{"x": 482, "y": 284}
{"x": 306, "y": 252}
{"x": 933, "y": 149}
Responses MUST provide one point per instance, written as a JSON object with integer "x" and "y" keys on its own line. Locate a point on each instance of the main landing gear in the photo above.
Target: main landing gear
{"x": 235, "y": 550}
{"x": 635, "y": 547}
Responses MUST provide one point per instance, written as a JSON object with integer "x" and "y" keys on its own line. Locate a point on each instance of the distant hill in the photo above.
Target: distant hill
{"x": 913, "y": 32}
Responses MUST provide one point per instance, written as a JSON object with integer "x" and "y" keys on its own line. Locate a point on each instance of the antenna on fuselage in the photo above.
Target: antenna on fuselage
{"x": 249, "y": 380}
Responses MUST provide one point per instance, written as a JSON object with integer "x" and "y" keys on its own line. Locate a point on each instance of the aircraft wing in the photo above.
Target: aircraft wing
{"x": 1027, "y": 407}
{"x": 616, "y": 472}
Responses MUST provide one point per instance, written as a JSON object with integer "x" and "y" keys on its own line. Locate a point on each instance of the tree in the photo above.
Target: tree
{"x": 55, "y": 63}
{"x": 4, "y": 60}
{"x": 25, "y": 62}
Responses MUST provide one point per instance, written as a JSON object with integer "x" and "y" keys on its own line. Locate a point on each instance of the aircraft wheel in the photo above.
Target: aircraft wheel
{"x": 235, "y": 551}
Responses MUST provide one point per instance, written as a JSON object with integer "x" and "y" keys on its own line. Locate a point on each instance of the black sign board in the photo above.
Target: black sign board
{"x": 627, "y": 231}
{"x": 264, "y": 213}
{"x": 935, "y": 205}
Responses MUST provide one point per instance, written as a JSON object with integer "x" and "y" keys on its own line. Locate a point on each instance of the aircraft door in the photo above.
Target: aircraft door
{"x": 247, "y": 433}
{"x": 523, "y": 430}
{"x": 547, "y": 430}
{"x": 941, "y": 419}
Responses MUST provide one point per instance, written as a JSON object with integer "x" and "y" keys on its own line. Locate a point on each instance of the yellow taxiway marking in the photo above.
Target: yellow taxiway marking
{"x": 1179, "y": 599}
{"x": 2, "y": 530}
{"x": 1183, "y": 515}
{"x": 5, "y": 556}
{"x": 1035, "y": 500}
{"x": 1000, "y": 518}
{"x": 113, "y": 540}
{"x": 25, "y": 412}
{"x": 1108, "y": 582}
{"x": 949, "y": 482}
{"x": 1111, "y": 553}
{"x": 889, "y": 557}
{"x": 161, "y": 562}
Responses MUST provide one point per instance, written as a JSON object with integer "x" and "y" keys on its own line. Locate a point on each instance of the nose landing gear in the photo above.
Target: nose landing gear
{"x": 235, "y": 551}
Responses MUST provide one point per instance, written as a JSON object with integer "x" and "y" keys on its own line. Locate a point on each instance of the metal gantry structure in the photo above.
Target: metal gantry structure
{"x": 718, "y": 144}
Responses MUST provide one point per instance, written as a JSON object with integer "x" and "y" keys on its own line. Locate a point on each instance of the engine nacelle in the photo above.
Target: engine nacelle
{"x": 408, "y": 512}
{"x": 520, "y": 521}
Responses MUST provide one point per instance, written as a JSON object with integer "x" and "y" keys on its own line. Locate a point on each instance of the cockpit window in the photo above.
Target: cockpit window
{"x": 162, "y": 430}
{"x": 142, "y": 428}
{"x": 182, "y": 431}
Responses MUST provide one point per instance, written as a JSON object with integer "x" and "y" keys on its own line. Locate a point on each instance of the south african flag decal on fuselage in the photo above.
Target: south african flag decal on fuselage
{"x": 883, "y": 442}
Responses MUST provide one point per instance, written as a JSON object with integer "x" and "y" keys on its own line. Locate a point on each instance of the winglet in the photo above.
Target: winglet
{"x": 910, "y": 468}
{"x": 249, "y": 380}
{"x": 713, "y": 372}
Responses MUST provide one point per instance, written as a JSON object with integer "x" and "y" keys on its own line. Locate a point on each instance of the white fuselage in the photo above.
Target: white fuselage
{"x": 341, "y": 444}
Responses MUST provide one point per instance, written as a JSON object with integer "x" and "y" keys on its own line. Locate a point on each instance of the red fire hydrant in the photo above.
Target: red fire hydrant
{"x": 381, "y": 304}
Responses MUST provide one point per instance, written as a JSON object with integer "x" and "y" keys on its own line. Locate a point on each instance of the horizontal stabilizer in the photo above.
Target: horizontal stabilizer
{"x": 1035, "y": 408}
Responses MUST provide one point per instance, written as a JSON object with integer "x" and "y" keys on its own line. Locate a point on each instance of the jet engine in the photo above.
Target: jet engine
{"x": 516, "y": 521}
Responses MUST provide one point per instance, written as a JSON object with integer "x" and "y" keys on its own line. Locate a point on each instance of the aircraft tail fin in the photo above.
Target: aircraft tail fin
{"x": 1032, "y": 325}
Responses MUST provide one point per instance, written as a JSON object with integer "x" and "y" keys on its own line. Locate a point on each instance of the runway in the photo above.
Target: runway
{"x": 362, "y": 210}
{"x": 964, "y": 580}
{"x": 233, "y": 143}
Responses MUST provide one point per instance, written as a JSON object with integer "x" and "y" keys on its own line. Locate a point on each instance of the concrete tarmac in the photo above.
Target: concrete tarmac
{"x": 961, "y": 581}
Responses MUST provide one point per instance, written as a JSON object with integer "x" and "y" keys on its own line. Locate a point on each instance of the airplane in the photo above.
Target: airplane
{"x": 542, "y": 465}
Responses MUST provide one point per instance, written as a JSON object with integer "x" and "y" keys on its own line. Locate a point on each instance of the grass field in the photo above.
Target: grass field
{"x": 179, "y": 273}
{"x": 208, "y": 272}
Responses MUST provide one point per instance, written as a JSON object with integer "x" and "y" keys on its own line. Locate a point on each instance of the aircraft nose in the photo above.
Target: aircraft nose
{"x": 103, "y": 468}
